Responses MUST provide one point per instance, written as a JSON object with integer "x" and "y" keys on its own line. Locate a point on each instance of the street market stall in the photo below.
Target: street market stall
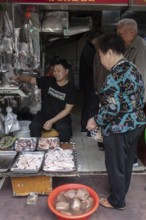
{"x": 31, "y": 32}
{"x": 32, "y": 163}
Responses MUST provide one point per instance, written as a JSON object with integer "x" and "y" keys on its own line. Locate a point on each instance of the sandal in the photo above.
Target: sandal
{"x": 105, "y": 203}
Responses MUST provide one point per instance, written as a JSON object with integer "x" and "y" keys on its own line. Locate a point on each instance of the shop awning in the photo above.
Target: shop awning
{"x": 75, "y": 4}
{"x": 137, "y": 5}
{"x": 103, "y": 2}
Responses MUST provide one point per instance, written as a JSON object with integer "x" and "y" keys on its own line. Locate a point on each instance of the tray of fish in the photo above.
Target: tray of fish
{"x": 28, "y": 162}
{"x": 59, "y": 160}
{"x": 6, "y": 160}
{"x": 48, "y": 143}
{"x": 25, "y": 144}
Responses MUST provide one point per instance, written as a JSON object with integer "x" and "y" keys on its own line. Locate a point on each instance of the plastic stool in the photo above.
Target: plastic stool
{"x": 50, "y": 133}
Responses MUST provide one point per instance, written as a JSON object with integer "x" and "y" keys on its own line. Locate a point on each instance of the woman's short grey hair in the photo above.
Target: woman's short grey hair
{"x": 131, "y": 23}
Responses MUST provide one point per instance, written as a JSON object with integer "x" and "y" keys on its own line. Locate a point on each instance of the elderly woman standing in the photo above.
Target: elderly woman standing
{"x": 120, "y": 116}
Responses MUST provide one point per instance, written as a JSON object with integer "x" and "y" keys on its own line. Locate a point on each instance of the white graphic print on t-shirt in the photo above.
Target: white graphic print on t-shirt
{"x": 56, "y": 94}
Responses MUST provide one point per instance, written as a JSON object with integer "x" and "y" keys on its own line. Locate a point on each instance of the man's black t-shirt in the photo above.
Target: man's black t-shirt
{"x": 54, "y": 97}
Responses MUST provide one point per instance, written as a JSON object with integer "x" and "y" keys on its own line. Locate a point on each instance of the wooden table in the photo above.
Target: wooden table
{"x": 39, "y": 183}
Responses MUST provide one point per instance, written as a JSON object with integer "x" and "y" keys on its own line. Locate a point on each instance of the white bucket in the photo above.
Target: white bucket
{"x": 21, "y": 134}
{"x": 24, "y": 129}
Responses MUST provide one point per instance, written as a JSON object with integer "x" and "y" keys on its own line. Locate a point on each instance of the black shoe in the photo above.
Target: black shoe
{"x": 84, "y": 130}
{"x": 89, "y": 134}
{"x": 101, "y": 146}
{"x": 135, "y": 163}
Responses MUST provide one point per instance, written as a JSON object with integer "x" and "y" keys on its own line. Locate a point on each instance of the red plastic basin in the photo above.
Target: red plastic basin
{"x": 65, "y": 187}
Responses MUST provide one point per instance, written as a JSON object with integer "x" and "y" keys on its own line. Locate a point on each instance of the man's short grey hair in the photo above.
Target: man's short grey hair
{"x": 128, "y": 22}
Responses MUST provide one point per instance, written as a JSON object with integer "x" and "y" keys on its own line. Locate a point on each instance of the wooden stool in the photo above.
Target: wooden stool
{"x": 50, "y": 133}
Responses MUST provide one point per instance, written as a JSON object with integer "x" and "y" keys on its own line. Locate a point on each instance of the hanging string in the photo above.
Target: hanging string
{"x": 8, "y": 102}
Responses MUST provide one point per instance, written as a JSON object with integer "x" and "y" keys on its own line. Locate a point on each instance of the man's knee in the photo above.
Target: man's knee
{"x": 33, "y": 125}
{"x": 35, "y": 129}
{"x": 64, "y": 132}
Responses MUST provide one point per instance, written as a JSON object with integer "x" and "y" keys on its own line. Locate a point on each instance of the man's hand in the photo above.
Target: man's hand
{"x": 91, "y": 124}
{"x": 26, "y": 79}
{"x": 48, "y": 125}
{"x": 14, "y": 78}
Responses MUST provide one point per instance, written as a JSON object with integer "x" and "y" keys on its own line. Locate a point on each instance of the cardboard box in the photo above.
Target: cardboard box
{"x": 23, "y": 186}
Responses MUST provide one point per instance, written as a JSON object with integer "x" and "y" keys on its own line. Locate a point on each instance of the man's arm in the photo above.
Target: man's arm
{"x": 27, "y": 79}
{"x": 48, "y": 124}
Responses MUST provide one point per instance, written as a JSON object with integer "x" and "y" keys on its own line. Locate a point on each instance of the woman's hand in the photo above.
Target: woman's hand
{"x": 48, "y": 125}
{"x": 91, "y": 124}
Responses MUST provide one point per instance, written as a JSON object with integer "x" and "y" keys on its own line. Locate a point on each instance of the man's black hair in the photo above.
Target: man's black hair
{"x": 61, "y": 61}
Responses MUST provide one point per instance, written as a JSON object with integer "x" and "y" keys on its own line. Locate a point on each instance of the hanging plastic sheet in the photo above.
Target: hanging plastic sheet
{"x": 2, "y": 118}
{"x": 11, "y": 122}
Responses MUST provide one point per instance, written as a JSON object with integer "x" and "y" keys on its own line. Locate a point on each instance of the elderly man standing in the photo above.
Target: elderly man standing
{"x": 135, "y": 48}
{"x": 135, "y": 45}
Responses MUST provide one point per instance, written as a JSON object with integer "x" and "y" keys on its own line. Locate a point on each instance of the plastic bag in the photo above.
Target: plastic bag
{"x": 2, "y": 118}
{"x": 16, "y": 125}
{"x": 97, "y": 135}
{"x": 1, "y": 128}
{"x": 11, "y": 122}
